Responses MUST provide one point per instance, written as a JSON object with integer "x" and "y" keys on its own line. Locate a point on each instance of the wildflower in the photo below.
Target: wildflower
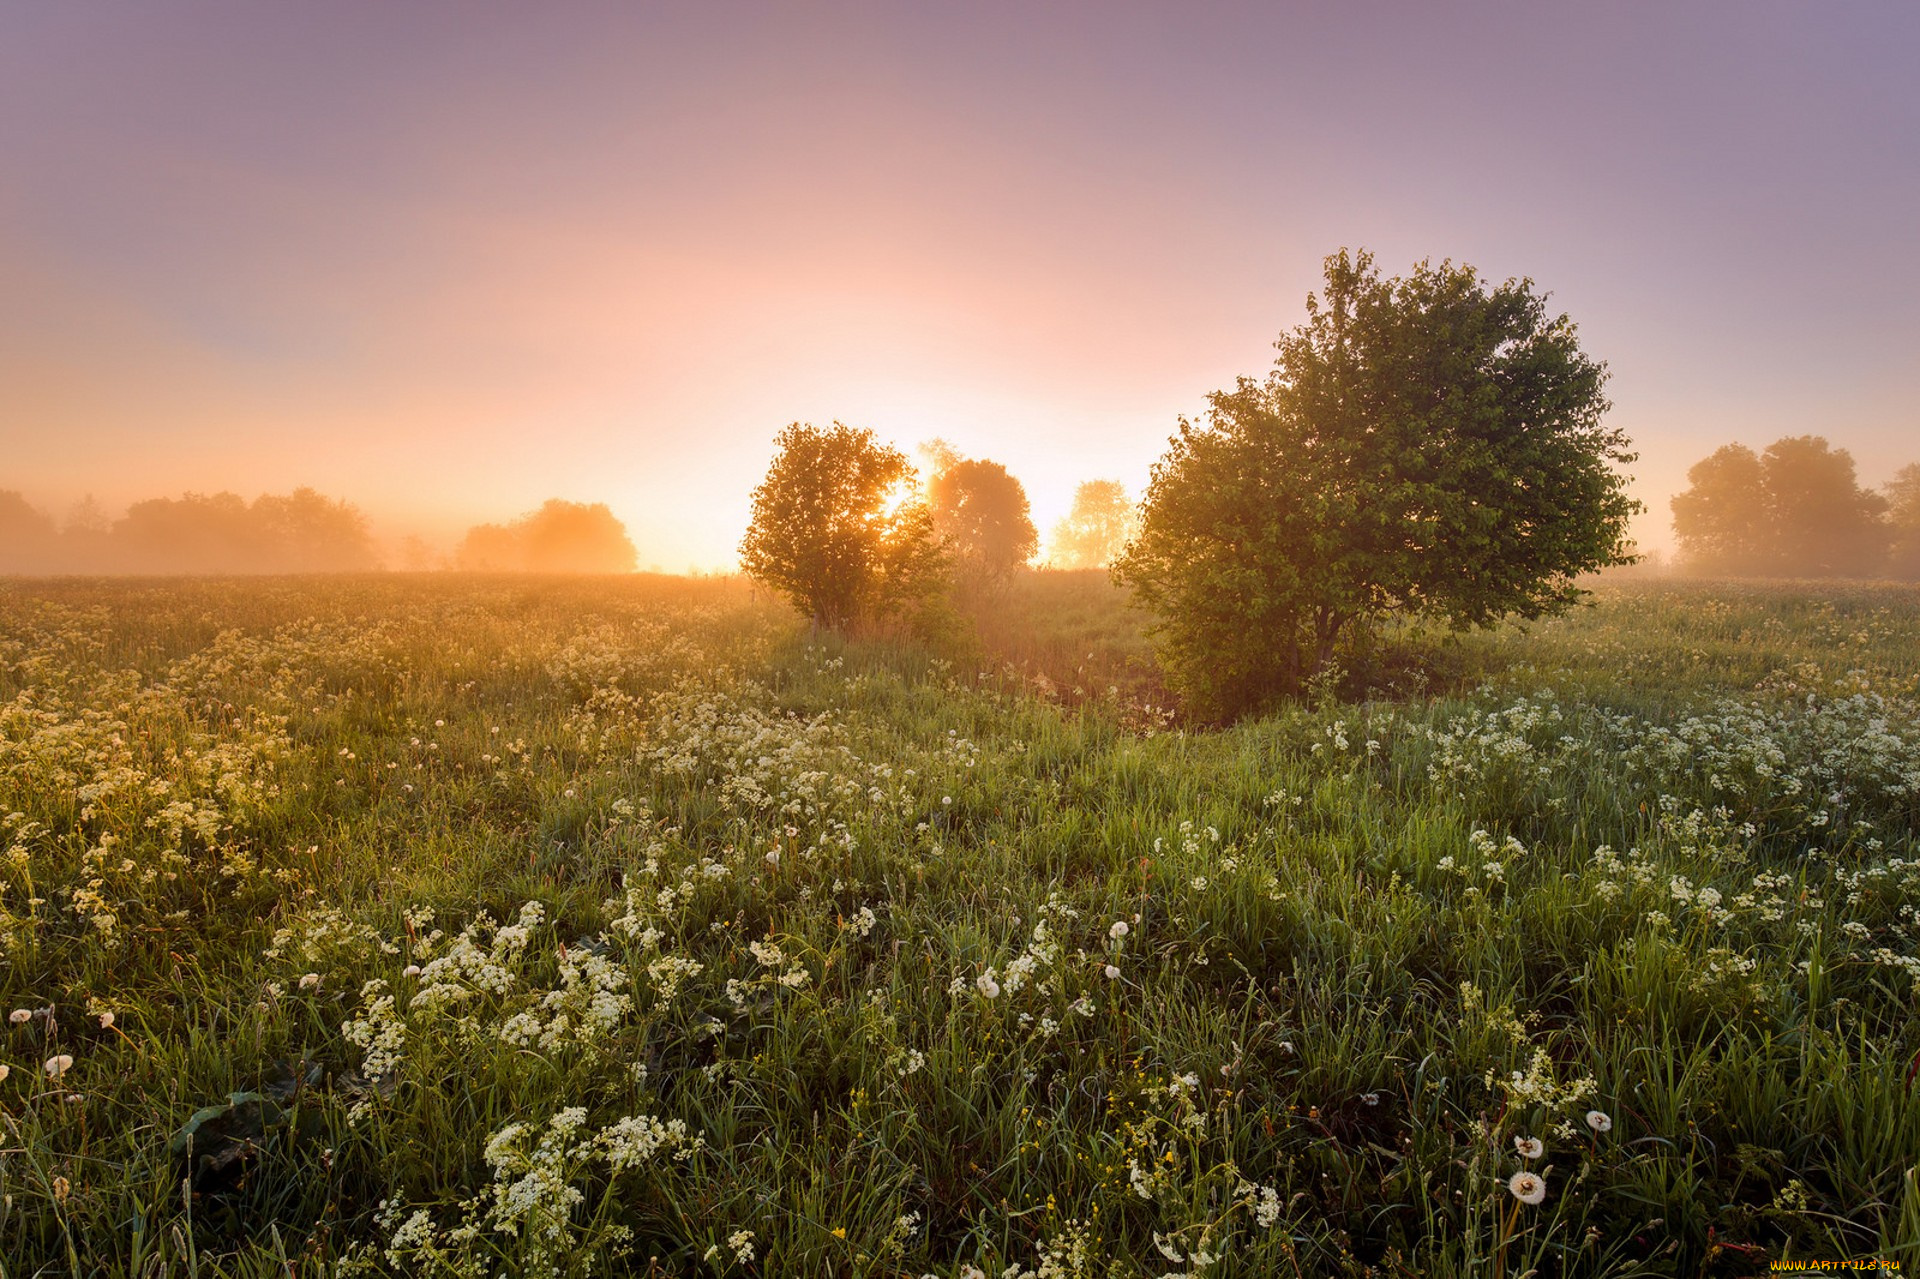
{"x": 5, "y": 1070}
{"x": 1529, "y": 1147}
{"x": 411, "y": 970}
{"x": 20, "y": 1016}
{"x": 106, "y": 1021}
{"x": 988, "y": 986}
{"x": 1118, "y": 929}
{"x": 1599, "y": 1121}
{"x": 310, "y": 981}
{"x": 1113, "y": 973}
{"x": 61, "y": 1189}
{"x": 58, "y": 1066}
{"x": 1528, "y": 1187}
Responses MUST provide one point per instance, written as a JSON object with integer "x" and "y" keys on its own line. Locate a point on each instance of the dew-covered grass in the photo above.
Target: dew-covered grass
{"x": 509, "y": 926}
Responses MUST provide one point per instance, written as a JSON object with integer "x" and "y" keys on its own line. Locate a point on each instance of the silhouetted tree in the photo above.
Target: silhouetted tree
{"x": 981, "y": 517}
{"x": 86, "y": 539}
{"x": 491, "y": 548}
{"x": 573, "y": 537}
{"x": 1425, "y": 446}
{"x": 193, "y": 533}
{"x": 304, "y": 532}
{"x": 29, "y": 541}
{"x": 1903, "y": 520}
{"x": 560, "y": 537}
{"x": 1097, "y": 527}
{"x": 1721, "y": 521}
{"x": 1828, "y": 525}
{"x": 417, "y": 556}
{"x": 1795, "y": 511}
{"x": 301, "y": 532}
{"x": 836, "y": 527}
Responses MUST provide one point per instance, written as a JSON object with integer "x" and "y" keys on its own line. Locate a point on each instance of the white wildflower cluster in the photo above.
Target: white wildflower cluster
{"x": 128, "y": 807}
{"x": 1835, "y": 761}
{"x": 762, "y": 764}
{"x": 776, "y": 971}
{"x": 1539, "y": 1085}
{"x": 1038, "y": 968}
{"x": 532, "y": 1211}
{"x": 1516, "y": 745}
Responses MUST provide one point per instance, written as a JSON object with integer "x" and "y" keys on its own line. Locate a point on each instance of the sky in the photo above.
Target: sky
{"x": 450, "y": 260}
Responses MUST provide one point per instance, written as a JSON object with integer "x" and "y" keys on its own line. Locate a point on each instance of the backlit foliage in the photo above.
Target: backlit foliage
{"x": 837, "y": 529}
{"x": 1426, "y": 447}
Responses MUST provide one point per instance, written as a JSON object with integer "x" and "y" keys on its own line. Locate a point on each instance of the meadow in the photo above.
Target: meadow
{"x": 469, "y": 926}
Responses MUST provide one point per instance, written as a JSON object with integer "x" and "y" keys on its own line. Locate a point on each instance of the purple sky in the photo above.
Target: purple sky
{"x": 450, "y": 260}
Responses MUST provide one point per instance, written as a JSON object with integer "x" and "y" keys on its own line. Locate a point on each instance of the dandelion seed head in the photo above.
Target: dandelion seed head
{"x": 1528, "y": 1187}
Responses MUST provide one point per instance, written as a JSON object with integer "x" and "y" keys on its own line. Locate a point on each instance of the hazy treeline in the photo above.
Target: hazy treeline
{"x": 298, "y": 532}
{"x": 1796, "y": 510}
{"x": 560, "y": 537}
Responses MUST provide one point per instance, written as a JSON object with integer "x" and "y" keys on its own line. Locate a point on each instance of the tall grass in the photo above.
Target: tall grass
{"x": 624, "y": 925}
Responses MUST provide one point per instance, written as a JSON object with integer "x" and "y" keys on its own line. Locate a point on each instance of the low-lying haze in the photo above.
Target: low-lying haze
{"x": 448, "y": 261}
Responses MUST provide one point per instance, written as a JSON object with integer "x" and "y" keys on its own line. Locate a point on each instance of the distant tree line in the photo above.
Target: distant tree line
{"x": 1796, "y": 510}
{"x": 298, "y": 532}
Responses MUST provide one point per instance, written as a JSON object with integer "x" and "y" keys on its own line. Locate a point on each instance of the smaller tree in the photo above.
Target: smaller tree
{"x": 560, "y": 537}
{"x": 1721, "y": 521}
{"x": 1794, "y": 511}
{"x": 981, "y": 516}
{"x": 575, "y": 537}
{"x": 837, "y": 528}
{"x": 27, "y": 536}
{"x": 1903, "y": 519}
{"x": 1097, "y": 529}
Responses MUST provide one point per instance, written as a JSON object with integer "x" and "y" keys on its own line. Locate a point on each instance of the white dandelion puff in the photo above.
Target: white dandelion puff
{"x": 1528, "y": 1187}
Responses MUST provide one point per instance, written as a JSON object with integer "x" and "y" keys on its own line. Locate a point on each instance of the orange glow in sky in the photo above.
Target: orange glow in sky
{"x": 448, "y": 261}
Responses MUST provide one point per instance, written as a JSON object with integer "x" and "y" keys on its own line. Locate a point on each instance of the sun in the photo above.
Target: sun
{"x": 900, "y": 495}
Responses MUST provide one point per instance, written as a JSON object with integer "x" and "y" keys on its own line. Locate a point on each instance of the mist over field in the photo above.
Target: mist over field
{"x": 1290, "y": 640}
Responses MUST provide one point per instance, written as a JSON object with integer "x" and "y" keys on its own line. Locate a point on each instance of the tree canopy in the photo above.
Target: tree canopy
{"x": 560, "y": 537}
{"x": 1096, "y": 529}
{"x": 981, "y": 516}
{"x": 1903, "y": 519}
{"x": 1796, "y": 510}
{"x": 1428, "y": 446}
{"x": 838, "y": 529}
{"x": 297, "y": 532}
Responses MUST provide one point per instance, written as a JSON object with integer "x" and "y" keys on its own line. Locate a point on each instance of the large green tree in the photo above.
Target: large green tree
{"x": 837, "y": 527}
{"x": 1427, "y": 446}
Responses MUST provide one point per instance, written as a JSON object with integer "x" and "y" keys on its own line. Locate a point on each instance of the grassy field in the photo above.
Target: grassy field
{"x": 501, "y": 927}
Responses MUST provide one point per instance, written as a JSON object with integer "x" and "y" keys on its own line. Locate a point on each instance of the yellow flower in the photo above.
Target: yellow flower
{"x": 839, "y": 1232}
